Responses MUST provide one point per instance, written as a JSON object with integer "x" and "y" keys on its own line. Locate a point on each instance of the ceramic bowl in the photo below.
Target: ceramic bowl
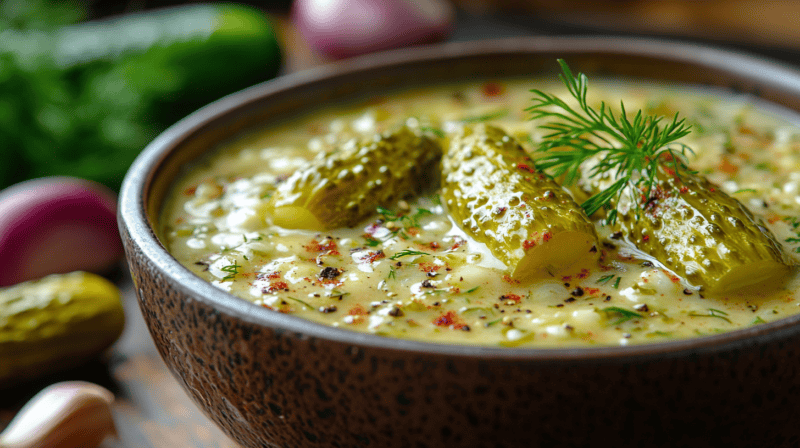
{"x": 274, "y": 380}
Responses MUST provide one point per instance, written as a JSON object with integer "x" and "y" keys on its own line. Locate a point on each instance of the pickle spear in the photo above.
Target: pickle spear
{"x": 704, "y": 235}
{"x": 346, "y": 186}
{"x": 525, "y": 218}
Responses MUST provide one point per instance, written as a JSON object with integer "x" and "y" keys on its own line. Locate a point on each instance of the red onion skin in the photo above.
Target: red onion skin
{"x": 57, "y": 225}
{"x": 345, "y": 28}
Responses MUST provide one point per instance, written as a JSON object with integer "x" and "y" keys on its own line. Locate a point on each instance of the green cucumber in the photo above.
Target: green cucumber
{"x": 346, "y": 186}
{"x": 83, "y": 100}
{"x": 526, "y": 219}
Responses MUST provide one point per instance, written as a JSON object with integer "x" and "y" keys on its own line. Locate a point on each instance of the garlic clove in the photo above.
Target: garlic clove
{"x": 73, "y": 414}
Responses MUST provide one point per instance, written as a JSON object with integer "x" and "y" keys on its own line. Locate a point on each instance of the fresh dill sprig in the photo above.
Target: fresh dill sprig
{"x": 630, "y": 151}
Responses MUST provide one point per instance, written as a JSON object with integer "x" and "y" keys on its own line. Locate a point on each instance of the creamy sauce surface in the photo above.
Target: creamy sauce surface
{"x": 410, "y": 272}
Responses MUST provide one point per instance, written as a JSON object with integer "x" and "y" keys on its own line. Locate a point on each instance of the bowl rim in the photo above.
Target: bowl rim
{"x": 132, "y": 210}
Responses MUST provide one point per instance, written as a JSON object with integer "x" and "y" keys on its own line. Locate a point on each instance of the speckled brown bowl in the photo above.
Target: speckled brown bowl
{"x": 273, "y": 380}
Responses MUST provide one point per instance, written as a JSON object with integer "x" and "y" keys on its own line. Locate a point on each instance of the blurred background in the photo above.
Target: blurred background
{"x": 81, "y": 95}
{"x": 85, "y": 85}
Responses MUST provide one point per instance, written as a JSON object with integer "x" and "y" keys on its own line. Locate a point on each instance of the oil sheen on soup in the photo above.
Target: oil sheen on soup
{"x": 409, "y": 270}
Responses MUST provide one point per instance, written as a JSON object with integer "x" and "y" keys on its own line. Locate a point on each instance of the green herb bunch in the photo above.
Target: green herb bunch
{"x": 630, "y": 152}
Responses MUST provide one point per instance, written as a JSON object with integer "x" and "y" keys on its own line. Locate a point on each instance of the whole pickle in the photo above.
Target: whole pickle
{"x": 55, "y": 323}
{"x": 496, "y": 195}
{"x": 348, "y": 185}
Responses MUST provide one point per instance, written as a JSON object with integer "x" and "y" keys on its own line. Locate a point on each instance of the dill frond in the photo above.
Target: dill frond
{"x": 630, "y": 151}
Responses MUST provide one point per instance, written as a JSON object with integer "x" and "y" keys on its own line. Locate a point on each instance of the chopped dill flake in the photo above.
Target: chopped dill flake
{"x": 624, "y": 315}
{"x": 387, "y": 214}
{"x": 489, "y": 324}
{"x": 422, "y": 212}
{"x": 471, "y": 290}
{"x": 301, "y": 302}
{"x": 437, "y": 291}
{"x": 435, "y": 131}
{"x": 231, "y": 270}
{"x": 336, "y": 294}
{"x": 605, "y": 279}
{"x": 408, "y": 220}
{"x": 406, "y": 253}
{"x": 659, "y": 333}
{"x": 485, "y": 117}
{"x": 616, "y": 283}
{"x": 392, "y": 274}
{"x": 712, "y": 313}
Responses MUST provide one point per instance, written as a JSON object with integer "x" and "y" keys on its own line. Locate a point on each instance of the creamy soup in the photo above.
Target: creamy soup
{"x": 408, "y": 271}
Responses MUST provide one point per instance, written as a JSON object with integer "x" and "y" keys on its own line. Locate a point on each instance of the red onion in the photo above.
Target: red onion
{"x": 57, "y": 225}
{"x": 343, "y": 28}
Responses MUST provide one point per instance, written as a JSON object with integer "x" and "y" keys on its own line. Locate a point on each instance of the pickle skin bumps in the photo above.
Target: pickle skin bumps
{"x": 706, "y": 236}
{"x": 349, "y": 184}
{"x": 526, "y": 219}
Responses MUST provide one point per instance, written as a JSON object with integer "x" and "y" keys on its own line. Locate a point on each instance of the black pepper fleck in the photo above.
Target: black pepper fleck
{"x": 396, "y": 312}
{"x": 330, "y": 273}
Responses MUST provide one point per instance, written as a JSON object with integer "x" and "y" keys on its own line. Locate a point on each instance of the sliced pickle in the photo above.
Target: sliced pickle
{"x": 348, "y": 185}
{"x": 496, "y": 195}
{"x": 711, "y": 239}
